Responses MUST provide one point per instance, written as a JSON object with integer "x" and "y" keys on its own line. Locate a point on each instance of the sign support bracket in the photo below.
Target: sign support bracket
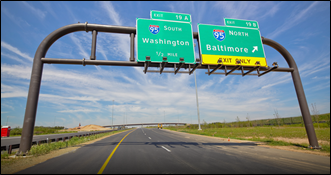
{"x": 146, "y": 63}
{"x": 132, "y": 35}
{"x": 162, "y": 65}
{"x": 196, "y": 65}
{"x": 94, "y": 44}
{"x": 255, "y": 68}
{"x": 235, "y": 68}
{"x": 181, "y": 60}
{"x": 267, "y": 71}
{"x": 180, "y": 66}
{"x": 217, "y": 67}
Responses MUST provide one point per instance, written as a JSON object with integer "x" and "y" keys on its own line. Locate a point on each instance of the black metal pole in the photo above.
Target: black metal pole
{"x": 299, "y": 91}
{"x": 32, "y": 103}
{"x": 36, "y": 73}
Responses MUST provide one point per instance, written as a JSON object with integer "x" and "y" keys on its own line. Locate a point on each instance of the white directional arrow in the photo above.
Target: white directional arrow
{"x": 255, "y": 49}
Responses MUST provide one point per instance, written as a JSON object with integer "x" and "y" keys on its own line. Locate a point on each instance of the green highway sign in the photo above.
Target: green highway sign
{"x": 230, "y": 45}
{"x": 241, "y": 23}
{"x": 160, "y": 38}
{"x": 170, "y": 16}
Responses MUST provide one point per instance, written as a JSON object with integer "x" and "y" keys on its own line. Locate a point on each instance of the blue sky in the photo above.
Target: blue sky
{"x": 73, "y": 94}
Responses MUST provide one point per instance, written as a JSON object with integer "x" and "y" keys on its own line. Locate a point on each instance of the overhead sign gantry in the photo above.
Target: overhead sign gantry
{"x": 210, "y": 37}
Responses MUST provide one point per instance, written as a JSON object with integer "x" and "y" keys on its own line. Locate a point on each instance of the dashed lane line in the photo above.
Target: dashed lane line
{"x": 165, "y": 148}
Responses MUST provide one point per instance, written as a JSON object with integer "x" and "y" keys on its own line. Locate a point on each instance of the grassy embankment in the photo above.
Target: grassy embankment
{"x": 42, "y": 149}
{"x": 265, "y": 131}
{"x": 40, "y": 130}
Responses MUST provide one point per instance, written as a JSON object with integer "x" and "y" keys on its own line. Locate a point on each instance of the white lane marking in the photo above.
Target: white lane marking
{"x": 149, "y": 137}
{"x": 145, "y": 133}
{"x": 165, "y": 148}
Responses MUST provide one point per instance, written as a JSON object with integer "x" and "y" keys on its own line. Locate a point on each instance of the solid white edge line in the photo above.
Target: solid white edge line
{"x": 165, "y": 148}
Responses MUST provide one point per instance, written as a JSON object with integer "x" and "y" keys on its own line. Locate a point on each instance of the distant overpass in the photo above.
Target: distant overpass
{"x": 142, "y": 124}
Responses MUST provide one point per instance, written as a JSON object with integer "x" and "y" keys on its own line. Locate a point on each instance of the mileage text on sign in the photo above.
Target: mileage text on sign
{"x": 160, "y": 38}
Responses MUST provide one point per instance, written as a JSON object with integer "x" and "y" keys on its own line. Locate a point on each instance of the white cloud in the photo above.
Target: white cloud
{"x": 97, "y": 89}
{"x": 247, "y": 9}
{"x": 206, "y": 85}
{"x": 320, "y": 86}
{"x": 74, "y": 98}
{"x": 122, "y": 41}
{"x": 70, "y": 12}
{"x": 79, "y": 110}
{"x": 12, "y": 91}
{"x": 15, "y": 71}
{"x": 13, "y": 57}
{"x": 8, "y": 106}
{"x": 222, "y": 79}
{"x": 78, "y": 43}
{"x": 279, "y": 80}
{"x": 293, "y": 20}
{"x": 321, "y": 78}
{"x": 17, "y": 20}
{"x": 34, "y": 10}
{"x": 16, "y": 51}
{"x": 47, "y": 5}
{"x": 321, "y": 63}
{"x": 102, "y": 51}
{"x": 112, "y": 14}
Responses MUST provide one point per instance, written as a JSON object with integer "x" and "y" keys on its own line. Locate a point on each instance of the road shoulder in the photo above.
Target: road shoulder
{"x": 21, "y": 163}
{"x": 288, "y": 148}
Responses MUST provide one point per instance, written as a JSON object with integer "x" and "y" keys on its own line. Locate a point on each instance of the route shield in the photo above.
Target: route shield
{"x": 231, "y": 44}
{"x": 160, "y": 38}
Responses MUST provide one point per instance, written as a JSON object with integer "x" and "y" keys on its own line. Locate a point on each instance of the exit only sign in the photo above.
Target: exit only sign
{"x": 230, "y": 45}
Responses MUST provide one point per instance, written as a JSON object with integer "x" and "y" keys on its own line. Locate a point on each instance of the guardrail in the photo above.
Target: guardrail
{"x": 9, "y": 148}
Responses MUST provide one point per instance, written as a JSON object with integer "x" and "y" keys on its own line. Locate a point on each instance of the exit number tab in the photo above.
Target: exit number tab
{"x": 180, "y": 17}
{"x": 241, "y": 23}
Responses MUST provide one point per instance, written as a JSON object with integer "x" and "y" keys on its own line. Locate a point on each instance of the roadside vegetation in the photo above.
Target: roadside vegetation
{"x": 267, "y": 130}
{"x": 40, "y": 130}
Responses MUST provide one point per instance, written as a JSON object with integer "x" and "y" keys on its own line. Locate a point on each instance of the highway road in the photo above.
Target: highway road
{"x": 142, "y": 151}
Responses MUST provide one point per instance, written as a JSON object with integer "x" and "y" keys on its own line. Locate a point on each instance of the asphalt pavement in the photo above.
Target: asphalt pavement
{"x": 157, "y": 151}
